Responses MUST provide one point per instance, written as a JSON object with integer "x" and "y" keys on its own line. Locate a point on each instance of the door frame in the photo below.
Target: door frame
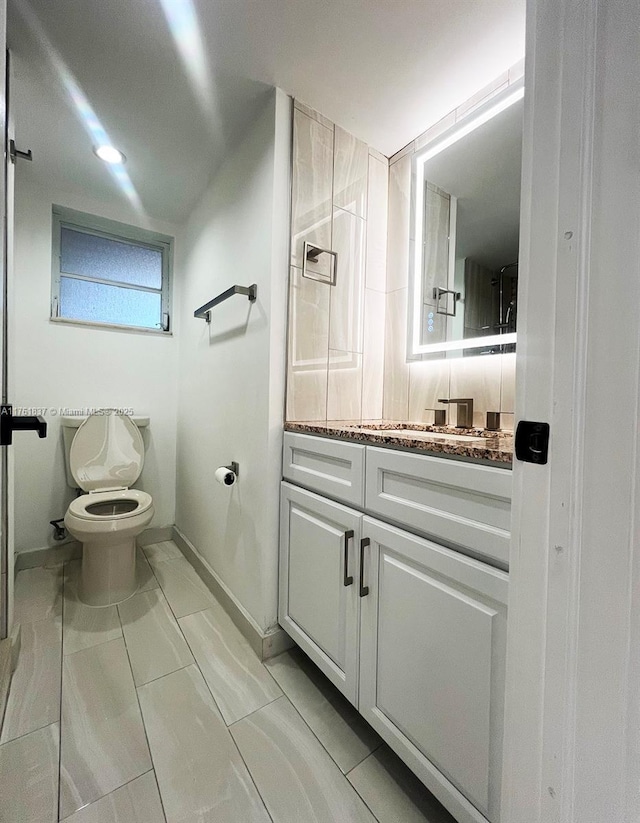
{"x": 572, "y": 723}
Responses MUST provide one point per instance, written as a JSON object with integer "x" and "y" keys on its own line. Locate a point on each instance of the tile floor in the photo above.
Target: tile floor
{"x": 158, "y": 711}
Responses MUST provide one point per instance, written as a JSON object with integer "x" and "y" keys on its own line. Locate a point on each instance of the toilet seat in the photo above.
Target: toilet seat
{"x": 81, "y": 506}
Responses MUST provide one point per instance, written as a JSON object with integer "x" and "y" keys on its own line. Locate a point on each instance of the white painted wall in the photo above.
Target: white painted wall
{"x": 231, "y": 373}
{"x": 57, "y": 365}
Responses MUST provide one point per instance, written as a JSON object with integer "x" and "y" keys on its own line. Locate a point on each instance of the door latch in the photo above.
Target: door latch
{"x": 15, "y": 153}
{"x": 10, "y": 423}
{"x": 532, "y": 442}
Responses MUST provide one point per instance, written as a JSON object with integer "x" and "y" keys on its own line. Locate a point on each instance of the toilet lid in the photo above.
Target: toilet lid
{"x": 107, "y": 452}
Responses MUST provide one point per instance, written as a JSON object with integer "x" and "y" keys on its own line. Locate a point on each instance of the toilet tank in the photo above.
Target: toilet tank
{"x": 71, "y": 424}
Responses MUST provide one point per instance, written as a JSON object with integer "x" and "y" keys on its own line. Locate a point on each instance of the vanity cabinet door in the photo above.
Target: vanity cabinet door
{"x": 318, "y": 600}
{"x": 432, "y": 650}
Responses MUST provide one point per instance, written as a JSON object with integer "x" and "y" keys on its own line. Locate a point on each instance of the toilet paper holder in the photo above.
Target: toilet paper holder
{"x": 234, "y": 467}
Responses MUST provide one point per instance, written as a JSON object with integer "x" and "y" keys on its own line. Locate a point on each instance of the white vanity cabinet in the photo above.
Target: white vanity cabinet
{"x": 412, "y": 632}
{"x": 432, "y": 665}
{"x": 319, "y": 605}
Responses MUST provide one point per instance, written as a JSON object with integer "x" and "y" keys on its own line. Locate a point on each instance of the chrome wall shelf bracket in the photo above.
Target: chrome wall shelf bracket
{"x": 204, "y": 312}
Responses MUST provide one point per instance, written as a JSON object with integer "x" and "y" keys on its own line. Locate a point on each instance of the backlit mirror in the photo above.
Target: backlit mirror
{"x": 465, "y": 230}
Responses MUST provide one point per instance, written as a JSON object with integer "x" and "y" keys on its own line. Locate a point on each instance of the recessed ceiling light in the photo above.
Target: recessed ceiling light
{"x": 109, "y": 154}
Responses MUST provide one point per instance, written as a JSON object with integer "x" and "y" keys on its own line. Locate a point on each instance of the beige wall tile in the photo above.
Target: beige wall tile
{"x": 507, "y": 421}
{"x": 344, "y": 388}
{"x": 436, "y": 130}
{"x": 483, "y": 95}
{"x": 313, "y": 114}
{"x": 377, "y": 212}
{"x": 403, "y": 152}
{"x": 378, "y": 155}
{"x": 398, "y": 228}
{"x": 307, "y": 396}
{"x": 478, "y": 378}
{"x": 350, "y": 166}
{"x": 373, "y": 357}
{"x": 428, "y": 381}
{"x": 308, "y": 348}
{"x": 508, "y": 393}
{"x": 311, "y": 205}
{"x": 347, "y": 296}
{"x": 396, "y": 369}
{"x": 308, "y": 322}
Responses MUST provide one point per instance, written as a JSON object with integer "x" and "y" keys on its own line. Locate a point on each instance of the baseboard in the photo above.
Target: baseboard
{"x": 9, "y": 651}
{"x": 72, "y": 549}
{"x": 156, "y": 534}
{"x": 48, "y": 556}
{"x": 265, "y": 645}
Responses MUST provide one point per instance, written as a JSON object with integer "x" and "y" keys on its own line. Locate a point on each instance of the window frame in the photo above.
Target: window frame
{"x": 63, "y": 217}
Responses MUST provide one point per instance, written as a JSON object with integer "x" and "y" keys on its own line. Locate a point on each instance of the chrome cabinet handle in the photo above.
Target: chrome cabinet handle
{"x": 364, "y": 590}
{"x": 348, "y": 579}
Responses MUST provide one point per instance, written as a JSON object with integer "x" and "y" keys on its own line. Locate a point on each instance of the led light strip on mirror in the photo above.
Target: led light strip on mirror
{"x": 477, "y": 118}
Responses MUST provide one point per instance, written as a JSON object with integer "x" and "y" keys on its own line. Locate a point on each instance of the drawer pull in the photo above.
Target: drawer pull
{"x": 364, "y": 590}
{"x": 348, "y": 579}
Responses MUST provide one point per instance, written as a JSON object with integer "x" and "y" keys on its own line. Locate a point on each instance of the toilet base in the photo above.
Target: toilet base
{"x": 108, "y": 572}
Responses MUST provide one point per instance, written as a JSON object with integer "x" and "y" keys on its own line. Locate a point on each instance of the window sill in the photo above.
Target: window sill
{"x": 111, "y": 327}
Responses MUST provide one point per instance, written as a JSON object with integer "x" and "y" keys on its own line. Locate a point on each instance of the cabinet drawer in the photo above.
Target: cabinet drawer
{"x": 332, "y": 467}
{"x": 463, "y": 504}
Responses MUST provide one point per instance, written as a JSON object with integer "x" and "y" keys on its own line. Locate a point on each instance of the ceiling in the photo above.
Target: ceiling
{"x": 383, "y": 70}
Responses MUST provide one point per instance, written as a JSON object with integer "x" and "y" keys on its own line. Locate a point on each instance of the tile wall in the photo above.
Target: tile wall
{"x": 348, "y": 342}
{"x": 336, "y": 333}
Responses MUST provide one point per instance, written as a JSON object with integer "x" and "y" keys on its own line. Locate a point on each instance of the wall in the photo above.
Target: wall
{"x": 336, "y": 333}
{"x": 231, "y": 372}
{"x": 55, "y": 365}
{"x": 410, "y": 388}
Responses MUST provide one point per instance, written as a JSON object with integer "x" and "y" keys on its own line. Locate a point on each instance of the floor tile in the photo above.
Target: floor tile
{"x": 34, "y": 699}
{"x": 29, "y": 778}
{"x": 294, "y": 774}
{"x": 393, "y": 792}
{"x": 83, "y": 625}
{"x": 342, "y": 731}
{"x": 38, "y": 594}
{"x": 137, "y": 802}
{"x": 200, "y": 773}
{"x": 144, "y": 573}
{"x": 236, "y": 677}
{"x": 167, "y": 550}
{"x": 184, "y": 590}
{"x": 103, "y": 743}
{"x": 154, "y": 641}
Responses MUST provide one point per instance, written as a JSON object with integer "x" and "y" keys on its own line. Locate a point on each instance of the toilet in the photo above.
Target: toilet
{"x": 105, "y": 458}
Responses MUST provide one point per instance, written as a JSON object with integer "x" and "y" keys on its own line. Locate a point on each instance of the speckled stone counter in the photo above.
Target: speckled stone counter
{"x": 468, "y": 444}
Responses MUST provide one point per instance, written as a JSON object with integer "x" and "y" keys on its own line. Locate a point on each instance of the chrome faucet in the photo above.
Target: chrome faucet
{"x": 464, "y": 411}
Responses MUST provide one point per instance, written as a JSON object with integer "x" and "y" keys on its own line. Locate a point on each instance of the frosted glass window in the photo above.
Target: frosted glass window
{"x": 99, "y": 303}
{"x": 105, "y": 259}
{"x": 109, "y": 273}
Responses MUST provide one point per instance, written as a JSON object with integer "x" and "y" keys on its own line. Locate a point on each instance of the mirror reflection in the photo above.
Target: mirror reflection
{"x": 467, "y": 220}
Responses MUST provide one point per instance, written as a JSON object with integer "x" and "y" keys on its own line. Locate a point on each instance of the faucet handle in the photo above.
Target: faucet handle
{"x": 439, "y": 416}
{"x": 493, "y": 421}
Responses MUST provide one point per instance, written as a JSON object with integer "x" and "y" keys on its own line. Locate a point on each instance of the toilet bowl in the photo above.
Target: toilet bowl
{"x": 106, "y": 457}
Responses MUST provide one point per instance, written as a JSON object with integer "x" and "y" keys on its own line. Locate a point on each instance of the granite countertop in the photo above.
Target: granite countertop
{"x": 467, "y": 444}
